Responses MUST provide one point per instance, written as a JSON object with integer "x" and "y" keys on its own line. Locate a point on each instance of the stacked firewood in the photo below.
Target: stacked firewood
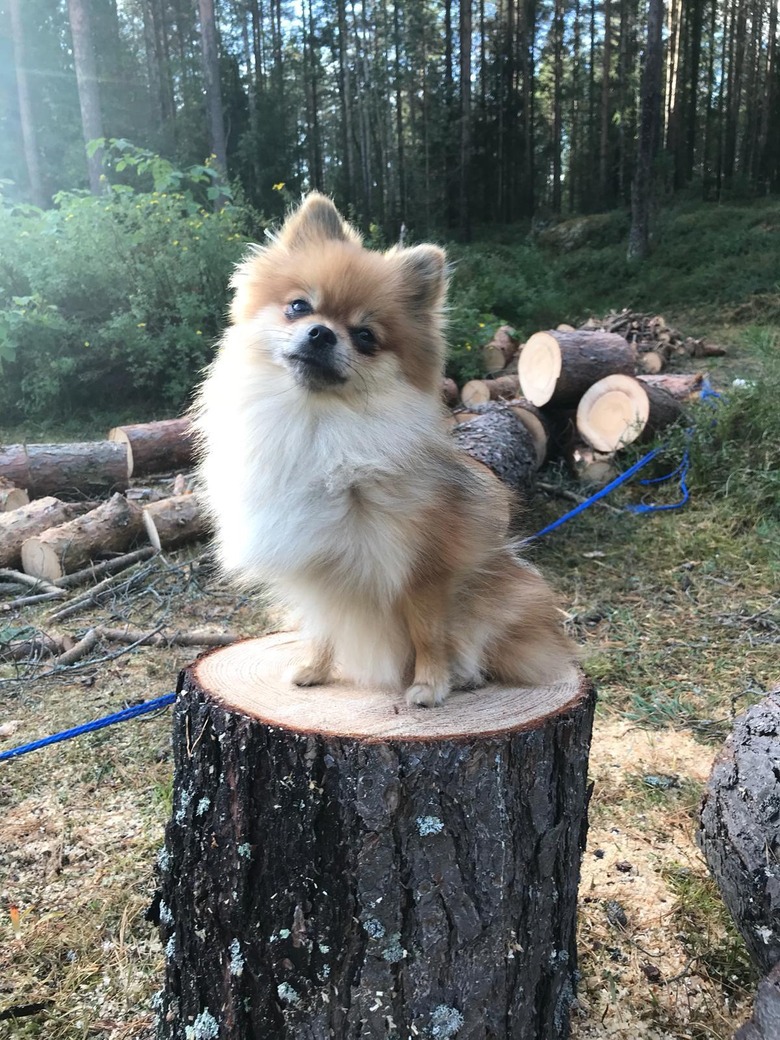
{"x": 64, "y": 505}
{"x": 583, "y": 394}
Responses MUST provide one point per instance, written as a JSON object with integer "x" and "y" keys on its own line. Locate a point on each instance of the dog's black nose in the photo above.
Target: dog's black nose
{"x": 321, "y": 336}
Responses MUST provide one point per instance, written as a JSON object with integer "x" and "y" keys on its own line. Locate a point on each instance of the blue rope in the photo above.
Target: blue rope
{"x": 601, "y": 493}
{"x": 89, "y": 727}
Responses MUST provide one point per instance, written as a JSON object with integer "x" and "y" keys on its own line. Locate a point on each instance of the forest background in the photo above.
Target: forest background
{"x": 145, "y": 141}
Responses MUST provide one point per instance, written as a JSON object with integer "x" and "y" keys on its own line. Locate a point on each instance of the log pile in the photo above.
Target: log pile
{"x": 584, "y": 394}
{"x": 51, "y": 526}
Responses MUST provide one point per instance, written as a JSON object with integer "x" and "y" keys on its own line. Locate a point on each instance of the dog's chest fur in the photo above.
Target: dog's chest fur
{"x": 327, "y": 494}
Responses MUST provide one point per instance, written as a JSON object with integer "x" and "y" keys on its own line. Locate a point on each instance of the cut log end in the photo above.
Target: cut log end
{"x": 539, "y": 367}
{"x": 613, "y": 413}
{"x": 252, "y": 677}
{"x": 41, "y": 560}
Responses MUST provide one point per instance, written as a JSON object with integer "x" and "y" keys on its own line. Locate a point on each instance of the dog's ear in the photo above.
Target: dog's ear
{"x": 423, "y": 273}
{"x": 316, "y": 219}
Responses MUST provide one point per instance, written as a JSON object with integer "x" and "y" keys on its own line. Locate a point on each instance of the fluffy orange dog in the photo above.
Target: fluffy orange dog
{"x": 330, "y": 475}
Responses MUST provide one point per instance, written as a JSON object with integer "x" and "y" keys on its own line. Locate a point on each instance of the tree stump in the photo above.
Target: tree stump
{"x": 740, "y": 828}
{"x": 341, "y": 866}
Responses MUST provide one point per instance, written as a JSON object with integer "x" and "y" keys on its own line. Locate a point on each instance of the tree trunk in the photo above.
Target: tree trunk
{"x": 740, "y": 828}
{"x": 421, "y": 873}
{"x": 536, "y": 423}
{"x": 480, "y": 391}
{"x": 649, "y": 133}
{"x": 111, "y": 527}
{"x": 26, "y": 117}
{"x": 50, "y": 469}
{"x": 606, "y": 111}
{"x": 210, "y": 50}
{"x": 556, "y": 368}
{"x": 465, "y": 120}
{"x": 155, "y": 447}
{"x": 89, "y": 95}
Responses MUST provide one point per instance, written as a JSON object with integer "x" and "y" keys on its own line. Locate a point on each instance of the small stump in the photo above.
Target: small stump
{"x": 339, "y": 865}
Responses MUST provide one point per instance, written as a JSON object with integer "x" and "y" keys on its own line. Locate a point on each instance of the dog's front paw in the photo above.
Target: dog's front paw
{"x": 310, "y": 675}
{"x": 427, "y": 695}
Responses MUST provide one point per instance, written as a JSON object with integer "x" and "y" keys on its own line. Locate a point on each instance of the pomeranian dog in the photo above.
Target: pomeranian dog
{"x": 330, "y": 475}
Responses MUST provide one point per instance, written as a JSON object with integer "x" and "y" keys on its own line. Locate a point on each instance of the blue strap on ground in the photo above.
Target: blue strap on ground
{"x": 89, "y": 727}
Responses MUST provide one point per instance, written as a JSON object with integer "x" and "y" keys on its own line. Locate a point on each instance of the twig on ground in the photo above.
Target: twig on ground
{"x": 119, "y": 563}
{"x": 20, "y": 578}
{"x": 36, "y": 646}
{"x": 572, "y": 496}
{"x": 114, "y": 583}
{"x": 194, "y": 637}
{"x": 26, "y": 601}
{"x": 81, "y": 649}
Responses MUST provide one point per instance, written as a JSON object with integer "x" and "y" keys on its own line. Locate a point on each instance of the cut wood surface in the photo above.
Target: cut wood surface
{"x": 497, "y": 354}
{"x": 51, "y": 469}
{"x": 480, "y": 391}
{"x": 174, "y": 521}
{"x": 29, "y": 520}
{"x": 157, "y": 446}
{"x": 593, "y": 468}
{"x": 556, "y": 368}
{"x": 111, "y": 527}
{"x": 498, "y": 440}
{"x": 651, "y": 362}
{"x": 740, "y": 828}
{"x": 684, "y": 386}
{"x": 11, "y": 496}
{"x": 619, "y": 409}
{"x": 422, "y": 868}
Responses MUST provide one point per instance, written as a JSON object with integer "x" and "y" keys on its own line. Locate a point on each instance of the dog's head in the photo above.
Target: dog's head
{"x": 336, "y": 316}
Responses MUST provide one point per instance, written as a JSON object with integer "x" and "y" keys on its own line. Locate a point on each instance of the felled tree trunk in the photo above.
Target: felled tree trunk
{"x": 51, "y": 469}
{"x": 556, "y": 368}
{"x": 174, "y": 521}
{"x": 111, "y": 527}
{"x": 502, "y": 348}
{"x": 684, "y": 386}
{"x": 340, "y": 866}
{"x": 155, "y": 447}
{"x": 498, "y": 440}
{"x": 26, "y": 521}
{"x": 534, "y": 420}
{"x": 740, "y": 828}
{"x": 619, "y": 409}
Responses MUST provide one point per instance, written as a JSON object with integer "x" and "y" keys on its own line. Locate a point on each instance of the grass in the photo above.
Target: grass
{"x": 679, "y": 618}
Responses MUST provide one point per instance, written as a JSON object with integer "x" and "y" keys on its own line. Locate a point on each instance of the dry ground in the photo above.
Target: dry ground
{"x": 678, "y": 614}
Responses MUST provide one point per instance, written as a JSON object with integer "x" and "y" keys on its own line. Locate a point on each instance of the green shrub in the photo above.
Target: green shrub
{"x": 111, "y": 301}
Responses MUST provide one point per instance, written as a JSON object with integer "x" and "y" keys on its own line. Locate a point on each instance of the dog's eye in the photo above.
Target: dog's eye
{"x": 298, "y": 308}
{"x": 365, "y": 340}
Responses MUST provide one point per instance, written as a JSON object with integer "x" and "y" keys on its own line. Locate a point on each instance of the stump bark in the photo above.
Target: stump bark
{"x": 740, "y": 828}
{"x": 32, "y": 519}
{"x": 339, "y": 865}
